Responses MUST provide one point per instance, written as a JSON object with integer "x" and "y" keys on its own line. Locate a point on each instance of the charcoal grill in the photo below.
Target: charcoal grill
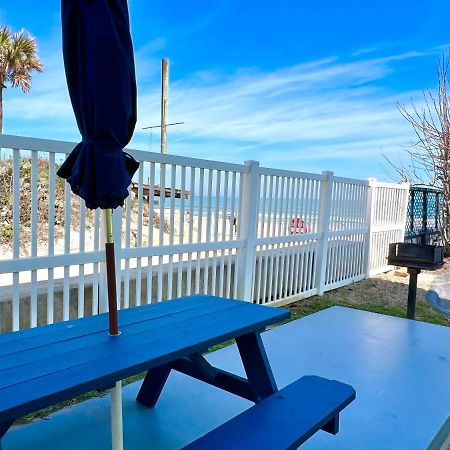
{"x": 415, "y": 257}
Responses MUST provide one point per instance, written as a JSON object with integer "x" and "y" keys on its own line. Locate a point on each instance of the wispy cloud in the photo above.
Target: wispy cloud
{"x": 443, "y": 47}
{"x": 326, "y": 108}
{"x": 146, "y": 61}
{"x": 365, "y": 51}
{"x": 326, "y": 111}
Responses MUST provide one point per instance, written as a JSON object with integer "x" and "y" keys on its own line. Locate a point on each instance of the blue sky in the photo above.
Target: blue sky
{"x": 309, "y": 86}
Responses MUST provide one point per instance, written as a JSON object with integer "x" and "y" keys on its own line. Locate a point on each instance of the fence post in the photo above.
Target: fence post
{"x": 248, "y": 230}
{"x": 407, "y": 187}
{"x": 371, "y": 196}
{"x": 326, "y": 189}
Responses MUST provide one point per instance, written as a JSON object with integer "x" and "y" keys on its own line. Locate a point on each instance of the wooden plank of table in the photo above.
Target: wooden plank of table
{"x": 44, "y": 335}
{"x": 40, "y": 383}
{"x": 73, "y": 347}
{"x": 210, "y": 324}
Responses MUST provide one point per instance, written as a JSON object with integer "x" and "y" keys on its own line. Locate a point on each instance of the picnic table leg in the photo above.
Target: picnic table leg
{"x": 332, "y": 426}
{"x": 260, "y": 382}
{"x": 4, "y": 427}
{"x": 152, "y": 386}
{"x": 256, "y": 365}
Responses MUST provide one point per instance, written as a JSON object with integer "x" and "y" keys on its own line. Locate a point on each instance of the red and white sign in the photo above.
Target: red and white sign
{"x": 298, "y": 226}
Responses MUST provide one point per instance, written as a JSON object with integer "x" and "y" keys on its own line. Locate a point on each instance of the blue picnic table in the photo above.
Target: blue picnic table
{"x": 42, "y": 366}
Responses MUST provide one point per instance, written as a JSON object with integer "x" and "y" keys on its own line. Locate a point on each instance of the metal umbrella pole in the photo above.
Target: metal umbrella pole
{"x": 99, "y": 65}
{"x": 116, "y": 392}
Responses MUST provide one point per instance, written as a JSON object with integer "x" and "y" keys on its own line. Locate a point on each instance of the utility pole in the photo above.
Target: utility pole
{"x": 164, "y": 106}
{"x": 164, "y": 101}
{"x": 160, "y": 126}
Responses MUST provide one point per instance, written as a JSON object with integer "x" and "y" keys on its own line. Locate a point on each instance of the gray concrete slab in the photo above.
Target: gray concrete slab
{"x": 399, "y": 368}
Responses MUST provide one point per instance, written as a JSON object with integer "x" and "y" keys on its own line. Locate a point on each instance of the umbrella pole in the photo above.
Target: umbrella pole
{"x": 116, "y": 417}
{"x": 116, "y": 392}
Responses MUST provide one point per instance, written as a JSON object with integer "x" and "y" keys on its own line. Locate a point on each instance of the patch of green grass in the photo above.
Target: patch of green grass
{"x": 44, "y": 413}
{"x": 424, "y": 312}
{"x": 219, "y": 346}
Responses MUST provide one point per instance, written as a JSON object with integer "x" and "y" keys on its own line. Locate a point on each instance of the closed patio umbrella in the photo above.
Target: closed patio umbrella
{"x": 99, "y": 64}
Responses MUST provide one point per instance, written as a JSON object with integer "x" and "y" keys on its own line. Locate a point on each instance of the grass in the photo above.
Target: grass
{"x": 424, "y": 312}
{"x": 299, "y": 309}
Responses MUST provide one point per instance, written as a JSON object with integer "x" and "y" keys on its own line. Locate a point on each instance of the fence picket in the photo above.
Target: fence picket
{"x": 244, "y": 231}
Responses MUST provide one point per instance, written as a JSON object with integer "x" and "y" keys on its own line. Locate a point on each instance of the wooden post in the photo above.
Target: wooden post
{"x": 102, "y": 285}
{"x": 117, "y": 237}
{"x": 111, "y": 274}
{"x": 164, "y": 101}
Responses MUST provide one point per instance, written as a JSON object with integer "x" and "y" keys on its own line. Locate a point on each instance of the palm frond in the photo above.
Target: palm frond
{"x": 18, "y": 58}
{"x": 5, "y": 44}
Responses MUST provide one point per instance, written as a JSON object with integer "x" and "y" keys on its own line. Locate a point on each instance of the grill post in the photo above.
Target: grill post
{"x": 412, "y": 293}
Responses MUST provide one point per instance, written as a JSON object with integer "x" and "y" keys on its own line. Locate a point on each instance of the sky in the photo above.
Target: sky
{"x": 308, "y": 86}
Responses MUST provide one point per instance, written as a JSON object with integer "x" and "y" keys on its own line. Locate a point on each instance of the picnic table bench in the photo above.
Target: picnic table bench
{"x": 46, "y": 365}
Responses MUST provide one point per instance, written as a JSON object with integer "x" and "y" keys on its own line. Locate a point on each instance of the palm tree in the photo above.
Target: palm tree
{"x": 18, "y": 58}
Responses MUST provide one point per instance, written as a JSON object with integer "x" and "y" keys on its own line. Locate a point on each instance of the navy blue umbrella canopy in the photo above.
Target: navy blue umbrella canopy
{"x": 99, "y": 64}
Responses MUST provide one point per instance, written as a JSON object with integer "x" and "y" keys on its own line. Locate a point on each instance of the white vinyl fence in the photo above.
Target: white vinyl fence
{"x": 389, "y": 204}
{"x": 189, "y": 226}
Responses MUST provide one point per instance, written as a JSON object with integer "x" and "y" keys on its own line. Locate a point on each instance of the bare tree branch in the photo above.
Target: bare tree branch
{"x": 429, "y": 154}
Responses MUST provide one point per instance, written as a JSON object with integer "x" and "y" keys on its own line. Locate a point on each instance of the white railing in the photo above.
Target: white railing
{"x": 389, "y": 204}
{"x": 189, "y": 226}
{"x": 312, "y": 235}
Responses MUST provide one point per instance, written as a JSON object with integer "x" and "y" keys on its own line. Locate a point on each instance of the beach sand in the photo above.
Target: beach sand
{"x": 186, "y": 229}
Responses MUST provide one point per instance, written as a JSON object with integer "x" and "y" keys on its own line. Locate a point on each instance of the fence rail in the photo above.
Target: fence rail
{"x": 189, "y": 226}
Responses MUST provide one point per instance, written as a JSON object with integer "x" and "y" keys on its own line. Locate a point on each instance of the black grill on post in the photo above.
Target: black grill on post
{"x": 415, "y": 257}
{"x": 424, "y": 209}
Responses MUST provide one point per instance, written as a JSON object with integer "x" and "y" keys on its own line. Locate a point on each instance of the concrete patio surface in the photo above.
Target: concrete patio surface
{"x": 399, "y": 368}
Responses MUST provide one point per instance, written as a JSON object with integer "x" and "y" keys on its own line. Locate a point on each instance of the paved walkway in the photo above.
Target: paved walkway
{"x": 399, "y": 368}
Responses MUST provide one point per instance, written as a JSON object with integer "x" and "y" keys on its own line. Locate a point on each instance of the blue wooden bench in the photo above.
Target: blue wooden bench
{"x": 284, "y": 420}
